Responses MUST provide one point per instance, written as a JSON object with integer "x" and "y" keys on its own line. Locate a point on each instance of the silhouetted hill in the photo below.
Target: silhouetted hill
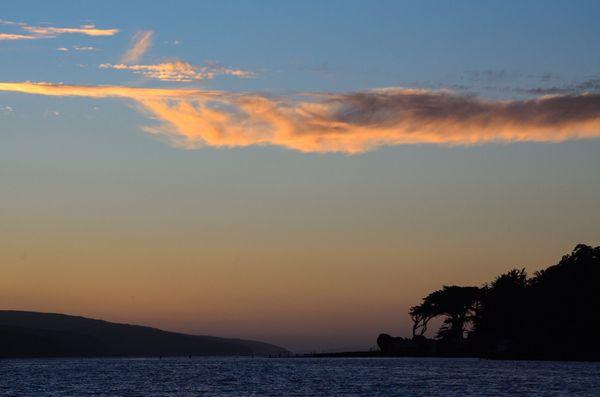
{"x": 33, "y": 334}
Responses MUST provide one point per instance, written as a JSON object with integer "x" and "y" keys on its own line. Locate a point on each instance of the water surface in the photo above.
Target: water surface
{"x": 296, "y": 377}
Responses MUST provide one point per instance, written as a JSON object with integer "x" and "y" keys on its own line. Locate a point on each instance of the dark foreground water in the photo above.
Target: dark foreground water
{"x": 296, "y": 377}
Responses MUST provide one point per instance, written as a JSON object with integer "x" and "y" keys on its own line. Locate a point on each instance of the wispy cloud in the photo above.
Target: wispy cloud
{"x": 350, "y": 122}
{"x": 591, "y": 85}
{"x": 84, "y": 48}
{"x": 179, "y": 71}
{"x": 14, "y": 37}
{"x": 88, "y": 30}
{"x": 140, "y": 44}
{"x": 215, "y": 68}
{"x": 77, "y": 48}
{"x": 46, "y": 32}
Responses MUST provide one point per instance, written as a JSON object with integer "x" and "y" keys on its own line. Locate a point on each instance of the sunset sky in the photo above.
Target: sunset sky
{"x": 295, "y": 172}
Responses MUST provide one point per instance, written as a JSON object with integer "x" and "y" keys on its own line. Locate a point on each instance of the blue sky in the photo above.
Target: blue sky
{"x": 320, "y": 46}
{"x": 283, "y": 197}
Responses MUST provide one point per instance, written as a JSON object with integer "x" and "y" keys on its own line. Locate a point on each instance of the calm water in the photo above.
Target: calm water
{"x": 296, "y": 377}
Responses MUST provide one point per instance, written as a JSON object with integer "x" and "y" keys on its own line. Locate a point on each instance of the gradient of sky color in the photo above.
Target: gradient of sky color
{"x": 312, "y": 249}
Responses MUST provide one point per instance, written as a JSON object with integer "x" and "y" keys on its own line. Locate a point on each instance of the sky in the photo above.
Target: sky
{"x": 295, "y": 172}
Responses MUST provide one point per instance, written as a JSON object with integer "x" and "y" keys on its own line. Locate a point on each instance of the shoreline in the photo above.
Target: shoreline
{"x": 378, "y": 354}
{"x": 340, "y": 355}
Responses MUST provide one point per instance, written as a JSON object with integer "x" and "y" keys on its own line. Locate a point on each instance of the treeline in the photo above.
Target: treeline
{"x": 550, "y": 315}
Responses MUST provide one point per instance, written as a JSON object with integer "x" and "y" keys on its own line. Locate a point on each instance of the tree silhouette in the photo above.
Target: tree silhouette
{"x": 420, "y": 315}
{"x": 501, "y": 310}
{"x": 454, "y": 302}
{"x": 552, "y": 315}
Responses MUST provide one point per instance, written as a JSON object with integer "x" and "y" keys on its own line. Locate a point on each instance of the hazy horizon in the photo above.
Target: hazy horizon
{"x": 299, "y": 174}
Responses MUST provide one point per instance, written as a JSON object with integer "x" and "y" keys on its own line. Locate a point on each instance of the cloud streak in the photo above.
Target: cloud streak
{"x": 87, "y": 30}
{"x": 179, "y": 71}
{"x": 15, "y": 37}
{"x": 77, "y": 48}
{"x": 347, "y": 122}
{"x": 46, "y": 32}
{"x": 140, "y": 44}
{"x": 84, "y": 48}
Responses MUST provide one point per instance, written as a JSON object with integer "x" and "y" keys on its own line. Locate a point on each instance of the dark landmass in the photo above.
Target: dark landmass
{"x": 32, "y": 334}
{"x": 550, "y": 316}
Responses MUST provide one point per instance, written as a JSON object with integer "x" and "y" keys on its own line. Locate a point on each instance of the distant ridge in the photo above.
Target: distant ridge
{"x": 34, "y": 334}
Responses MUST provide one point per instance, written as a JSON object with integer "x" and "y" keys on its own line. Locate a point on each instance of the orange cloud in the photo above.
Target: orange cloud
{"x": 179, "y": 71}
{"x": 349, "y": 123}
{"x": 140, "y": 44}
{"x": 45, "y": 32}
